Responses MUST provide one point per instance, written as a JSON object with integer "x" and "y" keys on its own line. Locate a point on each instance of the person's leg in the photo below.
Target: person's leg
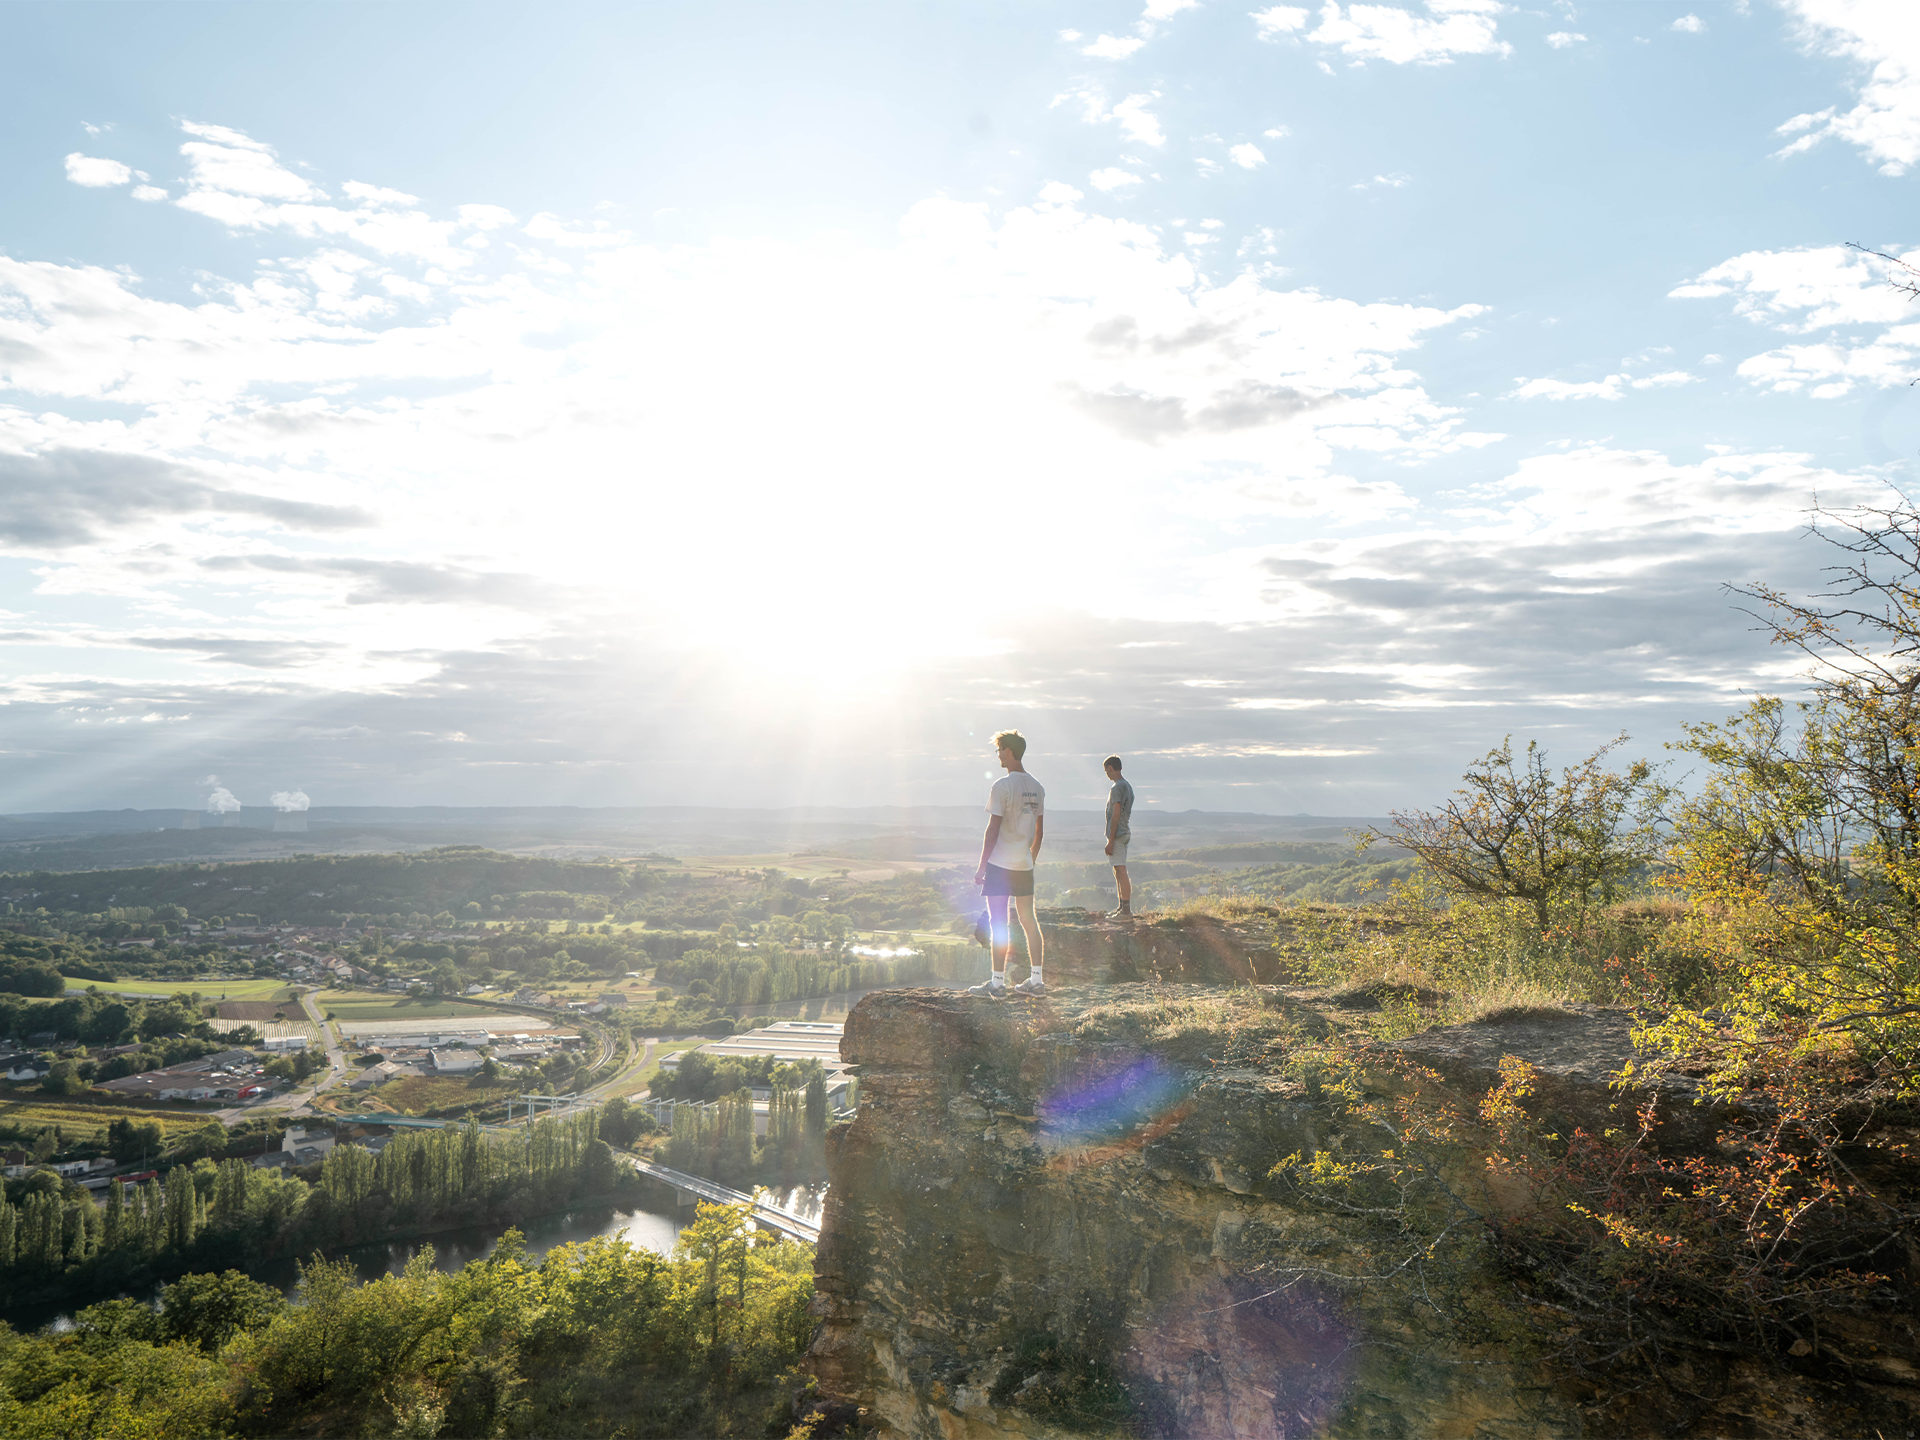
{"x": 1036, "y": 944}
{"x": 999, "y": 945}
{"x": 1125, "y": 886}
{"x": 1002, "y": 935}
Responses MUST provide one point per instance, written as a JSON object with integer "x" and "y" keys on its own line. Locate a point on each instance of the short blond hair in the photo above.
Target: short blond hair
{"x": 1010, "y": 740}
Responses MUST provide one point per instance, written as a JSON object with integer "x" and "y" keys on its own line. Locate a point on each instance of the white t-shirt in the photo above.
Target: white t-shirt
{"x": 1018, "y": 799}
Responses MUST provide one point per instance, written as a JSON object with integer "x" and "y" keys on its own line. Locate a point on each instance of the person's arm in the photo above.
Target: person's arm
{"x": 1039, "y": 833}
{"x": 1113, "y": 822}
{"x": 986, "y": 849}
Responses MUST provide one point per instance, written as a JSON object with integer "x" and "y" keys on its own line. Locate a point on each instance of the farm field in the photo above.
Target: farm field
{"x": 349, "y": 1005}
{"x": 33, "y": 1111}
{"x": 809, "y": 867}
{"x": 404, "y": 1023}
{"x": 210, "y": 989}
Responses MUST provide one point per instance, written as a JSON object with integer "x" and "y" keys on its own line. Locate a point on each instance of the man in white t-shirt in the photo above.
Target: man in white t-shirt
{"x": 1016, "y": 809}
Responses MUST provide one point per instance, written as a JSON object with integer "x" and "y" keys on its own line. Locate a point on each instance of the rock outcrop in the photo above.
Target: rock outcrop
{"x": 1056, "y": 1218}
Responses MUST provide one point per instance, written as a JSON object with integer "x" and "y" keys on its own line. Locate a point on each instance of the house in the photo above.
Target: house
{"x": 396, "y": 984}
{"x": 73, "y": 1168}
{"x": 455, "y": 1062}
{"x": 613, "y": 997}
{"x": 29, "y": 1070}
{"x": 274, "y": 1160}
{"x": 375, "y": 1075}
{"x": 298, "y": 1139}
{"x": 473, "y": 989}
{"x": 286, "y": 1042}
{"x": 155, "y": 1084}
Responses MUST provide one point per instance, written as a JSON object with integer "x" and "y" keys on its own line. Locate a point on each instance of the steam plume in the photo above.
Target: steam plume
{"x": 289, "y": 800}
{"x": 221, "y": 801}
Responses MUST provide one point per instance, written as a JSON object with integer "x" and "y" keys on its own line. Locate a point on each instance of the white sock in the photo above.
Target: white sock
{"x": 998, "y": 980}
{"x": 1035, "y": 976}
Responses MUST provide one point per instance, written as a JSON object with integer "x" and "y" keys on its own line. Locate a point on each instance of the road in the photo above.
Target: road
{"x": 300, "y": 1097}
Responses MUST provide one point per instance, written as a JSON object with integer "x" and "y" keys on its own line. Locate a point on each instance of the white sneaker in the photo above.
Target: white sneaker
{"x": 1030, "y": 986}
{"x": 988, "y": 989}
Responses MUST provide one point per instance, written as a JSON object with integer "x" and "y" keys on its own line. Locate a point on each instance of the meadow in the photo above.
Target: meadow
{"x": 220, "y": 989}
{"x": 355, "y": 1005}
{"x": 29, "y": 1109}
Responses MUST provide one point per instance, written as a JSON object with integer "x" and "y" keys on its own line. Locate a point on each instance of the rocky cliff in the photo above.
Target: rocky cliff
{"x": 1056, "y": 1218}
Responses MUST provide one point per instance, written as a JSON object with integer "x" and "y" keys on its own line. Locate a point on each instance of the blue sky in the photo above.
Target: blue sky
{"x": 762, "y": 404}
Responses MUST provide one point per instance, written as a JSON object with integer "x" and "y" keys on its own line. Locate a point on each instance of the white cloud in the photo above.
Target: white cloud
{"x": 1614, "y": 387}
{"x": 96, "y": 173}
{"x": 1139, "y": 123}
{"x": 232, "y": 163}
{"x": 1881, "y": 40}
{"x": 1395, "y": 181}
{"x": 557, "y": 232}
{"x": 1069, "y": 35}
{"x": 1166, "y": 9}
{"x": 1561, "y": 39}
{"x": 377, "y": 194}
{"x": 1207, "y": 165}
{"x": 1278, "y": 132}
{"x": 1801, "y": 291}
{"x": 1280, "y": 20}
{"x": 1112, "y": 178}
{"x": 1400, "y": 37}
{"x": 1247, "y": 157}
{"x": 1113, "y": 47}
{"x": 1689, "y": 25}
{"x": 149, "y": 193}
{"x": 1136, "y": 121}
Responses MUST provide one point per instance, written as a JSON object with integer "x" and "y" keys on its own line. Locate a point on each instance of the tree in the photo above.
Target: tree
{"x": 208, "y": 1310}
{"x": 1517, "y": 832}
{"x": 130, "y": 1140}
{"x": 1802, "y": 846}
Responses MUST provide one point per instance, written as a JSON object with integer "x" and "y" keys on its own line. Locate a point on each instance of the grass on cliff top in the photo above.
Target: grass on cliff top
{"x": 1225, "y": 1027}
{"x": 1405, "y": 966}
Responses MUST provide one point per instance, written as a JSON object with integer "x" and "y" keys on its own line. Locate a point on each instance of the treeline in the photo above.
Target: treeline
{"x": 771, "y": 973}
{"x": 57, "y": 1242}
{"x": 598, "y": 1339}
{"x": 717, "y": 1141}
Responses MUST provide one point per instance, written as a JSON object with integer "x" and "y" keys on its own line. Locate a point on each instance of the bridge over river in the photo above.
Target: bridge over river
{"x": 765, "y": 1212}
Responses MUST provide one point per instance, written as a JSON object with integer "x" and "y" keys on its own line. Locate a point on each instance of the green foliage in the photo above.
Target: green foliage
{"x": 598, "y": 1339}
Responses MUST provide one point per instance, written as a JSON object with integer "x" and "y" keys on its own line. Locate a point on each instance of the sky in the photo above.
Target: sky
{"x": 763, "y": 404}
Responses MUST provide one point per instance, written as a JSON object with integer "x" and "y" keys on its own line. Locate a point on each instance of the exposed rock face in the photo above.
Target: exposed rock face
{"x": 1038, "y": 1232}
{"x": 1055, "y": 1218}
{"x": 1196, "y": 950}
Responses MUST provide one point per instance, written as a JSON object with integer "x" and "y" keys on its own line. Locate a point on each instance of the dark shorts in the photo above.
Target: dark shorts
{"x": 1008, "y": 882}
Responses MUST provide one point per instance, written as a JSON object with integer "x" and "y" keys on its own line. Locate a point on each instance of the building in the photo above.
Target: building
{"x": 377, "y": 1075}
{"x": 455, "y": 1062}
{"x": 306, "y": 1146}
{"x": 175, "y": 1084}
{"x": 29, "y": 1070}
{"x": 287, "y": 1042}
{"x": 789, "y": 1040}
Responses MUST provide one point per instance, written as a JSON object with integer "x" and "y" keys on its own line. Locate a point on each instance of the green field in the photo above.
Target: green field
{"x": 361, "y": 1005}
{"x": 210, "y": 989}
{"x": 34, "y": 1111}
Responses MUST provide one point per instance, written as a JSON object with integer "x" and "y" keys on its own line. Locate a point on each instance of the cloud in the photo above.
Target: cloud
{"x": 1247, "y": 157}
{"x": 70, "y": 497}
{"x": 557, "y": 232}
{"x": 289, "y": 800}
{"x": 396, "y": 582}
{"x": 227, "y": 161}
{"x": 1135, "y": 120}
{"x": 1878, "y": 40}
{"x": 1400, "y": 37}
{"x": 149, "y": 193}
{"x": 1561, "y": 39}
{"x": 1280, "y": 20}
{"x": 376, "y": 194}
{"x": 96, "y": 173}
{"x": 1614, "y": 387}
{"x": 1112, "y": 178}
{"x": 1802, "y": 292}
{"x": 1110, "y": 47}
{"x": 1386, "y": 182}
{"x": 1689, "y": 25}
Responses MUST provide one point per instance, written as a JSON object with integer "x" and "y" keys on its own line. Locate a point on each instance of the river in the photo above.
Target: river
{"x": 452, "y": 1249}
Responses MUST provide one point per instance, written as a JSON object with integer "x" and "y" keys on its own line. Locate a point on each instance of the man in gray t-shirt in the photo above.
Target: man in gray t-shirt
{"x": 1119, "y": 832}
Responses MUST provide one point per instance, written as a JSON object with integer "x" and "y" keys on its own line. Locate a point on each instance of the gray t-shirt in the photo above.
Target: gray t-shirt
{"x": 1122, "y": 796}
